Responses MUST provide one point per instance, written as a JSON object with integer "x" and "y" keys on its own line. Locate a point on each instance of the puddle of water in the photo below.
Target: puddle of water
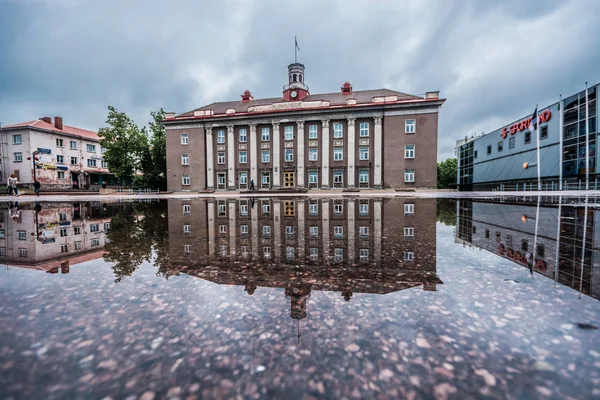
{"x": 293, "y": 298}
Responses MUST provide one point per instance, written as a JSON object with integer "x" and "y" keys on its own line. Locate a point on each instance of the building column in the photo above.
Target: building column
{"x": 253, "y": 156}
{"x": 378, "y": 149}
{"x": 230, "y": 158}
{"x": 276, "y": 157}
{"x": 325, "y": 229}
{"x": 277, "y": 229}
{"x": 301, "y": 230}
{"x": 210, "y": 162}
{"x": 254, "y": 226}
{"x": 300, "y": 153}
{"x": 351, "y": 231}
{"x": 325, "y": 154}
{"x": 351, "y": 177}
{"x": 211, "y": 228}
{"x": 232, "y": 228}
{"x": 377, "y": 217}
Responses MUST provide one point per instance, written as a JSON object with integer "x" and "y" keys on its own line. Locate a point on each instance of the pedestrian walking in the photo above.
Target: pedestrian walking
{"x": 251, "y": 184}
{"x": 37, "y": 186}
{"x": 12, "y": 185}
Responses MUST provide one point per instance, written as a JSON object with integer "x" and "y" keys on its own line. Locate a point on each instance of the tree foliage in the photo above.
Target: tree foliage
{"x": 154, "y": 156}
{"x": 446, "y": 211}
{"x": 447, "y": 172}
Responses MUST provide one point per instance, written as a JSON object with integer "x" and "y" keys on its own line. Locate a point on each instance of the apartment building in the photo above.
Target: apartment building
{"x": 346, "y": 140}
{"x": 64, "y": 154}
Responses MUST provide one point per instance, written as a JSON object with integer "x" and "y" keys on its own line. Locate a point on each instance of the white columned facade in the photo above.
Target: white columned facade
{"x": 325, "y": 229}
{"x": 230, "y": 158}
{"x": 378, "y": 149}
{"x": 377, "y": 228}
{"x": 276, "y": 157}
{"x": 325, "y": 154}
{"x": 254, "y": 226}
{"x": 232, "y": 228}
{"x": 301, "y": 230}
{"x": 351, "y": 177}
{"x": 253, "y": 157}
{"x": 211, "y": 228}
{"x": 210, "y": 162}
{"x": 351, "y": 231}
{"x": 300, "y": 153}
{"x": 277, "y": 229}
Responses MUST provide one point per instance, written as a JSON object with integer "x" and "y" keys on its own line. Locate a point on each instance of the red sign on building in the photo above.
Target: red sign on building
{"x": 524, "y": 124}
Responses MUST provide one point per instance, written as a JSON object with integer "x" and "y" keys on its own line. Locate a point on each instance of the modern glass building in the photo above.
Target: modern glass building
{"x": 495, "y": 161}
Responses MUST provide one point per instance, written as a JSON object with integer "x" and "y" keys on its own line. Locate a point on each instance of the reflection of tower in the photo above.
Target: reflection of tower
{"x": 250, "y": 287}
{"x": 298, "y": 294}
{"x": 347, "y": 294}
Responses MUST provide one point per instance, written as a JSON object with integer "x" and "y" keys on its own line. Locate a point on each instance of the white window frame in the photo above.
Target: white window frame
{"x": 94, "y": 228}
{"x": 15, "y": 141}
{"x": 266, "y": 156}
{"x": 363, "y": 208}
{"x": 103, "y": 164}
{"x": 221, "y": 158}
{"x": 409, "y": 209}
{"x": 409, "y": 175}
{"x": 338, "y": 232}
{"x": 338, "y": 130}
{"x": 288, "y": 132}
{"x": 77, "y": 246}
{"x": 221, "y": 178}
{"x": 265, "y": 134}
{"x": 338, "y": 154}
{"x": 290, "y": 253}
{"x": 243, "y": 157}
{"x": 185, "y": 159}
{"x": 363, "y": 153}
{"x": 243, "y": 209}
{"x": 18, "y": 157}
{"x": 313, "y": 131}
{"x": 267, "y": 251}
{"x": 364, "y": 255}
{"x": 243, "y": 178}
{"x": 185, "y": 138}
{"x": 409, "y": 232}
{"x": 60, "y": 142}
{"x": 187, "y": 209}
{"x": 223, "y": 229}
{"x": 363, "y": 231}
{"x": 361, "y": 177}
{"x": 313, "y": 209}
{"x": 90, "y": 148}
{"x": 313, "y": 177}
{"x": 23, "y": 253}
{"x": 266, "y": 206}
{"x": 289, "y": 155}
{"x": 187, "y": 228}
{"x": 187, "y": 248}
{"x": 243, "y": 135}
{"x": 60, "y": 159}
{"x": 314, "y": 254}
{"x": 340, "y": 176}
{"x": 410, "y": 126}
{"x": 409, "y": 151}
{"x": 338, "y": 254}
{"x": 91, "y": 162}
{"x": 74, "y": 161}
{"x": 313, "y": 231}
{"x": 185, "y": 180}
{"x": 220, "y": 136}
{"x": 409, "y": 256}
{"x": 244, "y": 230}
{"x": 364, "y": 129}
{"x": 61, "y": 175}
{"x": 338, "y": 208}
{"x": 313, "y": 154}
{"x": 266, "y": 231}
{"x": 265, "y": 179}
{"x": 72, "y": 145}
{"x": 22, "y": 235}
{"x": 76, "y": 230}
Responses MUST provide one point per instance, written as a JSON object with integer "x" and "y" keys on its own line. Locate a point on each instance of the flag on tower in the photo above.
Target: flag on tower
{"x": 534, "y": 121}
{"x": 296, "y": 40}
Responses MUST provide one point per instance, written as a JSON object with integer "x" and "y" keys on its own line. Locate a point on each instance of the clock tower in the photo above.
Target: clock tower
{"x": 295, "y": 90}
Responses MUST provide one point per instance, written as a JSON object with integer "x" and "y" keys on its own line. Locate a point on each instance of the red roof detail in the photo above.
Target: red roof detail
{"x": 69, "y": 130}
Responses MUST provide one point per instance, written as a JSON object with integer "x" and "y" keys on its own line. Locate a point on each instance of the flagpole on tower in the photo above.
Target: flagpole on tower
{"x": 538, "y": 151}
{"x": 587, "y": 139}
{"x": 295, "y": 49}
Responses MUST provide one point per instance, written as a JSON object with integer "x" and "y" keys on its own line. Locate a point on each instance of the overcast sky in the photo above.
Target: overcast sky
{"x": 493, "y": 60}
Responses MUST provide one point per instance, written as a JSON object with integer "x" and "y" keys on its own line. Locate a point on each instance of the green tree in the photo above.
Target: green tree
{"x": 446, "y": 211}
{"x": 124, "y": 142}
{"x": 447, "y": 172}
{"x": 154, "y": 158}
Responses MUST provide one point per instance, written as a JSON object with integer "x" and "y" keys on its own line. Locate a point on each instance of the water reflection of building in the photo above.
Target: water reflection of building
{"x": 508, "y": 230}
{"x": 53, "y": 236}
{"x": 300, "y": 244}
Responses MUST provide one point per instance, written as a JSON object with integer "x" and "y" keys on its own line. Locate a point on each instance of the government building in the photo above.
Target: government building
{"x": 346, "y": 140}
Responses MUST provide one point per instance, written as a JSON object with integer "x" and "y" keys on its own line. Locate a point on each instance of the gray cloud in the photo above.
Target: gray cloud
{"x": 492, "y": 60}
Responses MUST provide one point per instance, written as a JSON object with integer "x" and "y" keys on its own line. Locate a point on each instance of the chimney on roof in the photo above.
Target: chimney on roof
{"x": 246, "y": 97}
{"x": 58, "y": 123}
{"x": 432, "y": 95}
{"x": 47, "y": 119}
{"x": 169, "y": 115}
{"x": 347, "y": 88}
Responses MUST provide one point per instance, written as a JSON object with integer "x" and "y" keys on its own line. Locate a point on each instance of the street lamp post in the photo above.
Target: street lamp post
{"x": 33, "y": 159}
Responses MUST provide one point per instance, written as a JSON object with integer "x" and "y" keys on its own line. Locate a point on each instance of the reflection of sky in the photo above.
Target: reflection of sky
{"x": 83, "y": 335}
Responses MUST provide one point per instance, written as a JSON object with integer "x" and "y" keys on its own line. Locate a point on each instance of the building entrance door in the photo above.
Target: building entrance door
{"x": 288, "y": 179}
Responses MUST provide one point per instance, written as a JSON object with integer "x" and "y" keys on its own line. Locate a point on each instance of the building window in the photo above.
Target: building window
{"x": 91, "y": 163}
{"x": 73, "y": 160}
{"x": 222, "y": 208}
{"x": 313, "y": 231}
{"x": 363, "y": 153}
{"x": 527, "y": 137}
{"x": 338, "y": 232}
{"x": 290, "y": 253}
{"x": 62, "y": 217}
{"x": 289, "y": 155}
{"x": 289, "y": 132}
{"x": 17, "y": 139}
{"x": 289, "y": 231}
{"x": 266, "y": 231}
{"x": 313, "y": 154}
{"x": 409, "y": 209}
{"x": 313, "y": 177}
{"x": 185, "y": 180}
{"x": 76, "y": 230}
{"x": 60, "y": 159}
{"x": 338, "y": 208}
{"x": 314, "y": 254}
{"x": 487, "y": 233}
{"x": 187, "y": 228}
{"x": 243, "y": 135}
{"x": 409, "y": 256}
{"x": 338, "y": 130}
{"x": 223, "y": 229}
{"x": 220, "y": 136}
{"x": 289, "y": 208}
{"x": 187, "y": 248}
{"x": 540, "y": 250}
{"x": 18, "y": 157}
{"x": 363, "y": 231}
{"x": 511, "y": 142}
{"x": 244, "y": 230}
{"x": 221, "y": 179}
{"x": 266, "y": 134}
{"x": 312, "y": 132}
{"x": 77, "y": 246}
{"x": 338, "y": 177}
{"x": 2, "y": 234}
{"x": 243, "y": 157}
{"x": 187, "y": 209}
{"x": 409, "y": 151}
{"x": 410, "y": 126}
{"x": 266, "y": 156}
{"x": 544, "y": 132}
{"x": 59, "y": 143}
{"x": 338, "y": 255}
{"x": 223, "y": 250}
{"x": 267, "y": 252}
{"x": 313, "y": 209}
{"x": 489, "y": 149}
{"x": 266, "y": 179}
{"x": 409, "y": 175}
{"x": 104, "y": 164}
{"x": 500, "y": 146}
{"x": 73, "y": 145}
{"x": 244, "y": 208}
{"x": 22, "y": 235}
{"x": 243, "y": 178}
{"x": 338, "y": 154}
{"x": 524, "y": 245}
{"x": 475, "y": 153}
{"x": 95, "y": 242}
{"x": 409, "y": 232}
{"x": 266, "y": 207}
{"x": 363, "y": 208}
{"x": 364, "y": 255}
{"x": 185, "y": 138}
{"x": 185, "y": 159}
{"x": 364, "y": 129}
{"x": 363, "y": 177}
{"x": 91, "y": 148}
{"x": 61, "y": 175}
{"x": 220, "y": 158}
{"x": 63, "y": 232}
{"x": 23, "y": 253}
{"x": 94, "y": 228}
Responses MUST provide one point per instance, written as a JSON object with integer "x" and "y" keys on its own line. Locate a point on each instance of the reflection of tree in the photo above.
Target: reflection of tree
{"x": 135, "y": 235}
{"x": 446, "y": 211}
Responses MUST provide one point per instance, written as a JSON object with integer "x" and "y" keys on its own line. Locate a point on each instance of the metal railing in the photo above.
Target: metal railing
{"x": 548, "y": 186}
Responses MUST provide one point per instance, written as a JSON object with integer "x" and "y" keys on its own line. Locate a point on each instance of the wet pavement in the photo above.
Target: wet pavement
{"x": 300, "y": 298}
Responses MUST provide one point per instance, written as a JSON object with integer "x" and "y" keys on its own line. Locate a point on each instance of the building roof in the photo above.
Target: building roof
{"x": 337, "y": 99}
{"x": 38, "y": 124}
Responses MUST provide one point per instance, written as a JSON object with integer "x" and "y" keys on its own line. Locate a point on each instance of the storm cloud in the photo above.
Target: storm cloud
{"x": 493, "y": 60}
